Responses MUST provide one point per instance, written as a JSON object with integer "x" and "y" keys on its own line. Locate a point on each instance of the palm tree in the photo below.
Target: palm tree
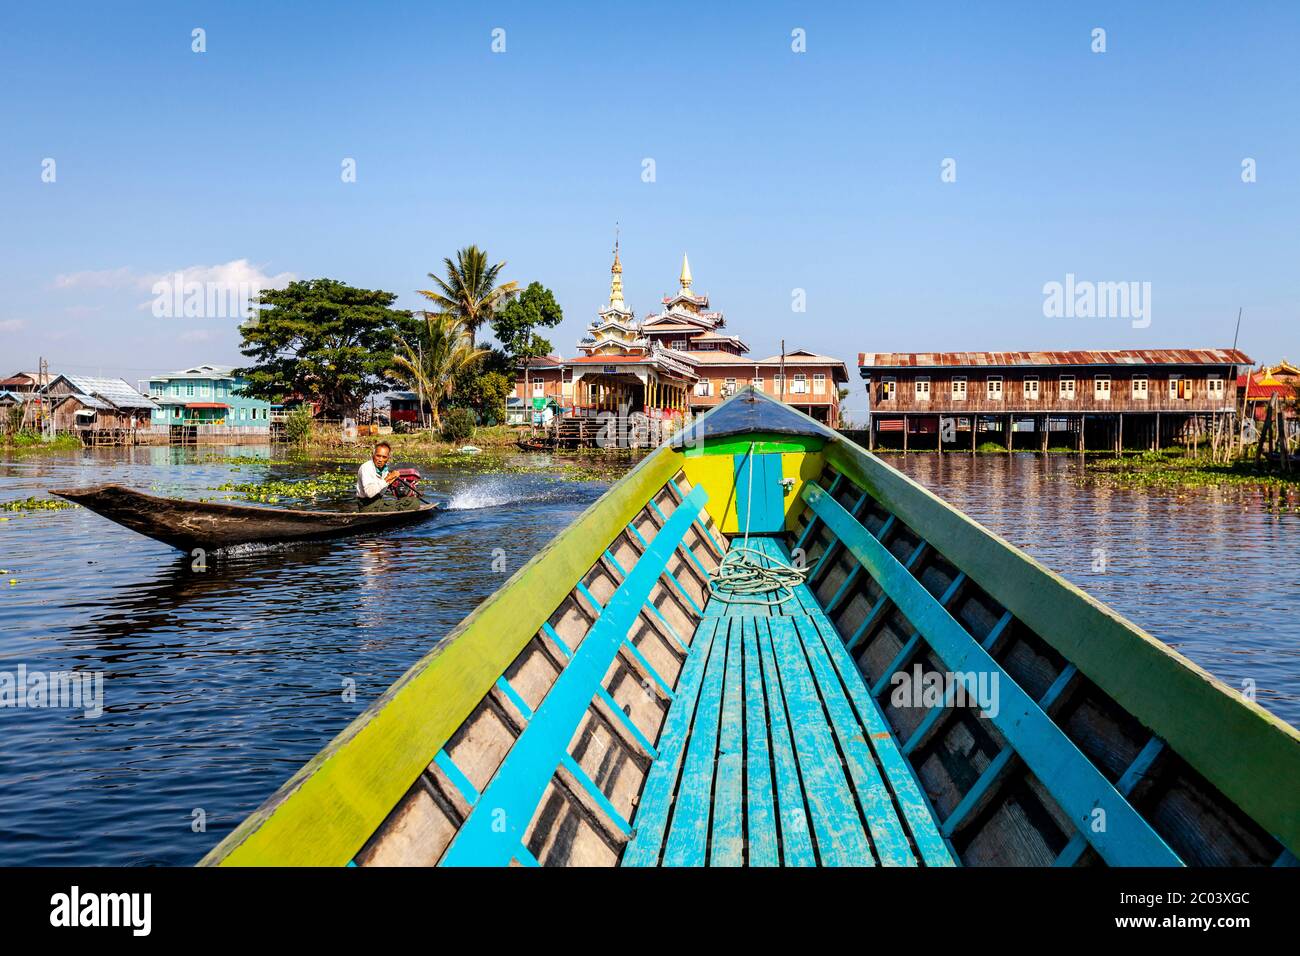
{"x": 431, "y": 363}
{"x": 470, "y": 291}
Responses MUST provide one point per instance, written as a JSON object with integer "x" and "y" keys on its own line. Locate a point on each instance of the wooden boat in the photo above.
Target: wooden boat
{"x": 210, "y": 525}
{"x": 610, "y": 705}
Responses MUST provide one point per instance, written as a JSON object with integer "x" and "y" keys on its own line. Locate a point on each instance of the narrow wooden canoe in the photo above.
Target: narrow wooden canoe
{"x": 606, "y": 707}
{"x": 210, "y": 525}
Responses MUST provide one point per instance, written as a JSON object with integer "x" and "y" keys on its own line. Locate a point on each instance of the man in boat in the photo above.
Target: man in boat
{"x": 374, "y": 479}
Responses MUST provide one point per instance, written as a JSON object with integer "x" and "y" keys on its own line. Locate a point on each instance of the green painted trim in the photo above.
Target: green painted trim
{"x": 1252, "y": 756}
{"x": 765, "y": 443}
{"x": 324, "y": 814}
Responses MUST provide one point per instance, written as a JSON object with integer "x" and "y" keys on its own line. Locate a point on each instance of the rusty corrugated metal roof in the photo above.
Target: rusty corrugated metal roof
{"x": 1077, "y": 357}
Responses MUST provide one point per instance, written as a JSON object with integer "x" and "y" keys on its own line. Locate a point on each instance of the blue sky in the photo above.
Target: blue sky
{"x": 775, "y": 170}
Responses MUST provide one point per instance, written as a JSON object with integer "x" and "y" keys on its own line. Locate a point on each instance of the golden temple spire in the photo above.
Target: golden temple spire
{"x": 616, "y": 279}
{"x": 686, "y": 274}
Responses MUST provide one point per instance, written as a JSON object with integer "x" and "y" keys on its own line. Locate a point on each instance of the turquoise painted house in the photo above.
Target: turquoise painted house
{"x": 209, "y": 397}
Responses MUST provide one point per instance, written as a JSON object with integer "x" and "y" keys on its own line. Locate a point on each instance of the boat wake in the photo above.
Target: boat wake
{"x": 497, "y": 494}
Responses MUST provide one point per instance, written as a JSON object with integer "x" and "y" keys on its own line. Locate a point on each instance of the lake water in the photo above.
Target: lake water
{"x": 220, "y": 684}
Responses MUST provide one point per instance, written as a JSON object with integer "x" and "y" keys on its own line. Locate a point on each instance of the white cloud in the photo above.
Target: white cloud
{"x": 234, "y": 274}
{"x": 12, "y": 325}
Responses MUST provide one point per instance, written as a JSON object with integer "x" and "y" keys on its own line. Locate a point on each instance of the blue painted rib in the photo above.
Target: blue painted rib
{"x": 596, "y": 794}
{"x": 508, "y": 689}
{"x": 550, "y": 632}
{"x": 525, "y": 857}
{"x": 672, "y": 631}
{"x": 1002, "y": 763}
{"x": 458, "y": 779}
{"x": 870, "y": 620}
{"x": 1073, "y": 781}
{"x": 990, "y": 778}
{"x": 586, "y": 592}
{"x": 527, "y": 770}
{"x": 812, "y": 518}
{"x": 626, "y": 720}
{"x": 835, "y": 545}
{"x": 640, "y": 659}
{"x": 1131, "y": 777}
{"x": 852, "y": 576}
{"x": 701, "y": 521}
{"x": 609, "y": 556}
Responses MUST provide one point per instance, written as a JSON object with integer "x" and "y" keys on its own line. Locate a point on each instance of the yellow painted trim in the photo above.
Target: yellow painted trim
{"x": 718, "y": 475}
{"x": 324, "y": 814}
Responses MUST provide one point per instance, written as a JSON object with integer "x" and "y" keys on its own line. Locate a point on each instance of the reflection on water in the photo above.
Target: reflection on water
{"x": 220, "y": 684}
{"x": 1209, "y": 571}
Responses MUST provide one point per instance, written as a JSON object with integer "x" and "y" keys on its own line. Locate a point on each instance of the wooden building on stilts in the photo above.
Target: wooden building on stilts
{"x": 1080, "y": 400}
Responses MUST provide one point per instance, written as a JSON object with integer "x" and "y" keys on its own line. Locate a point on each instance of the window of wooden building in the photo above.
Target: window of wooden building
{"x": 1180, "y": 387}
{"x": 1140, "y": 387}
{"x": 728, "y": 386}
{"x": 757, "y": 383}
{"x": 1101, "y": 388}
{"x": 1031, "y": 388}
{"x": 959, "y": 388}
{"x": 993, "y": 388}
{"x": 1215, "y": 386}
{"x": 799, "y": 386}
{"x": 819, "y": 383}
{"x": 922, "y": 386}
{"x": 888, "y": 389}
{"x": 704, "y": 388}
{"x": 1067, "y": 388}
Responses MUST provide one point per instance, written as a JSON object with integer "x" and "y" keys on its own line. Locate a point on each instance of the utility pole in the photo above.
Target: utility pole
{"x": 783, "y": 370}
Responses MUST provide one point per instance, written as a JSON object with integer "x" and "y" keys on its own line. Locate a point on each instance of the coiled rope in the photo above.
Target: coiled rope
{"x": 746, "y": 574}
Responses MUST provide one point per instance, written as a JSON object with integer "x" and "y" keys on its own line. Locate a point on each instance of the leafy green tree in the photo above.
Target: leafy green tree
{"x": 431, "y": 361}
{"x": 516, "y": 324}
{"x": 323, "y": 340}
{"x": 484, "y": 393}
{"x": 469, "y": 292}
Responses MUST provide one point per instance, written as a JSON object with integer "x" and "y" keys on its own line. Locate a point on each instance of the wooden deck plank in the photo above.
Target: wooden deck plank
{"x": 796, "y": 839}
{"x": 890, "y": 840}
{"x": 727, "y": 839}
{"x": 688, "y": 835}
{"x": 760, "y": 809}
{"x": 841, "y": 837}
{"x": 651, "y": 820}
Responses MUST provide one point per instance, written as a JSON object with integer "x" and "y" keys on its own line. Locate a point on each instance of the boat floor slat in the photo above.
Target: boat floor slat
{"x": 769, "y": 758}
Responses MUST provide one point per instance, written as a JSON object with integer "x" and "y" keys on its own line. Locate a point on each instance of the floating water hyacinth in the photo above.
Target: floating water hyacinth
{"x": 36, "y": 504}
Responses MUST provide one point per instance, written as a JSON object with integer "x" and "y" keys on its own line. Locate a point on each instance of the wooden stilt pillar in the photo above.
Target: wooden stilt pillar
{"x": 1119, "y": 435}
{"x": 1083, "y": 421}
{"x": 871, "y": 432}
{"x": 1157, "y": 441}
{"x": 1008, "y": 434}
{"x": 904, "y": 433}
{"x": 974, "y": 422}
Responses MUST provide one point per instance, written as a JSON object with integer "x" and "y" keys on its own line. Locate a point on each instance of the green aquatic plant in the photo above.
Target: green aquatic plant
{"x": 331, "y": 484}
{"x": 36, "y": 504}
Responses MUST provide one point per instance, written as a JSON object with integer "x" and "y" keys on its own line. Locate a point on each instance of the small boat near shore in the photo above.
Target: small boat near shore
{"x": 210, "y": 525}
{"x": 765, "y": 646}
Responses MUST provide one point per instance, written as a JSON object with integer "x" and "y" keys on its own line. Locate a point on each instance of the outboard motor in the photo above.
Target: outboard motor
{"x": 404, "y": 486}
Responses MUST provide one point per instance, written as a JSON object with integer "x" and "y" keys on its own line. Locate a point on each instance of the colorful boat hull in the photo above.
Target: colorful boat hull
{"x": 929, "y": 696}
